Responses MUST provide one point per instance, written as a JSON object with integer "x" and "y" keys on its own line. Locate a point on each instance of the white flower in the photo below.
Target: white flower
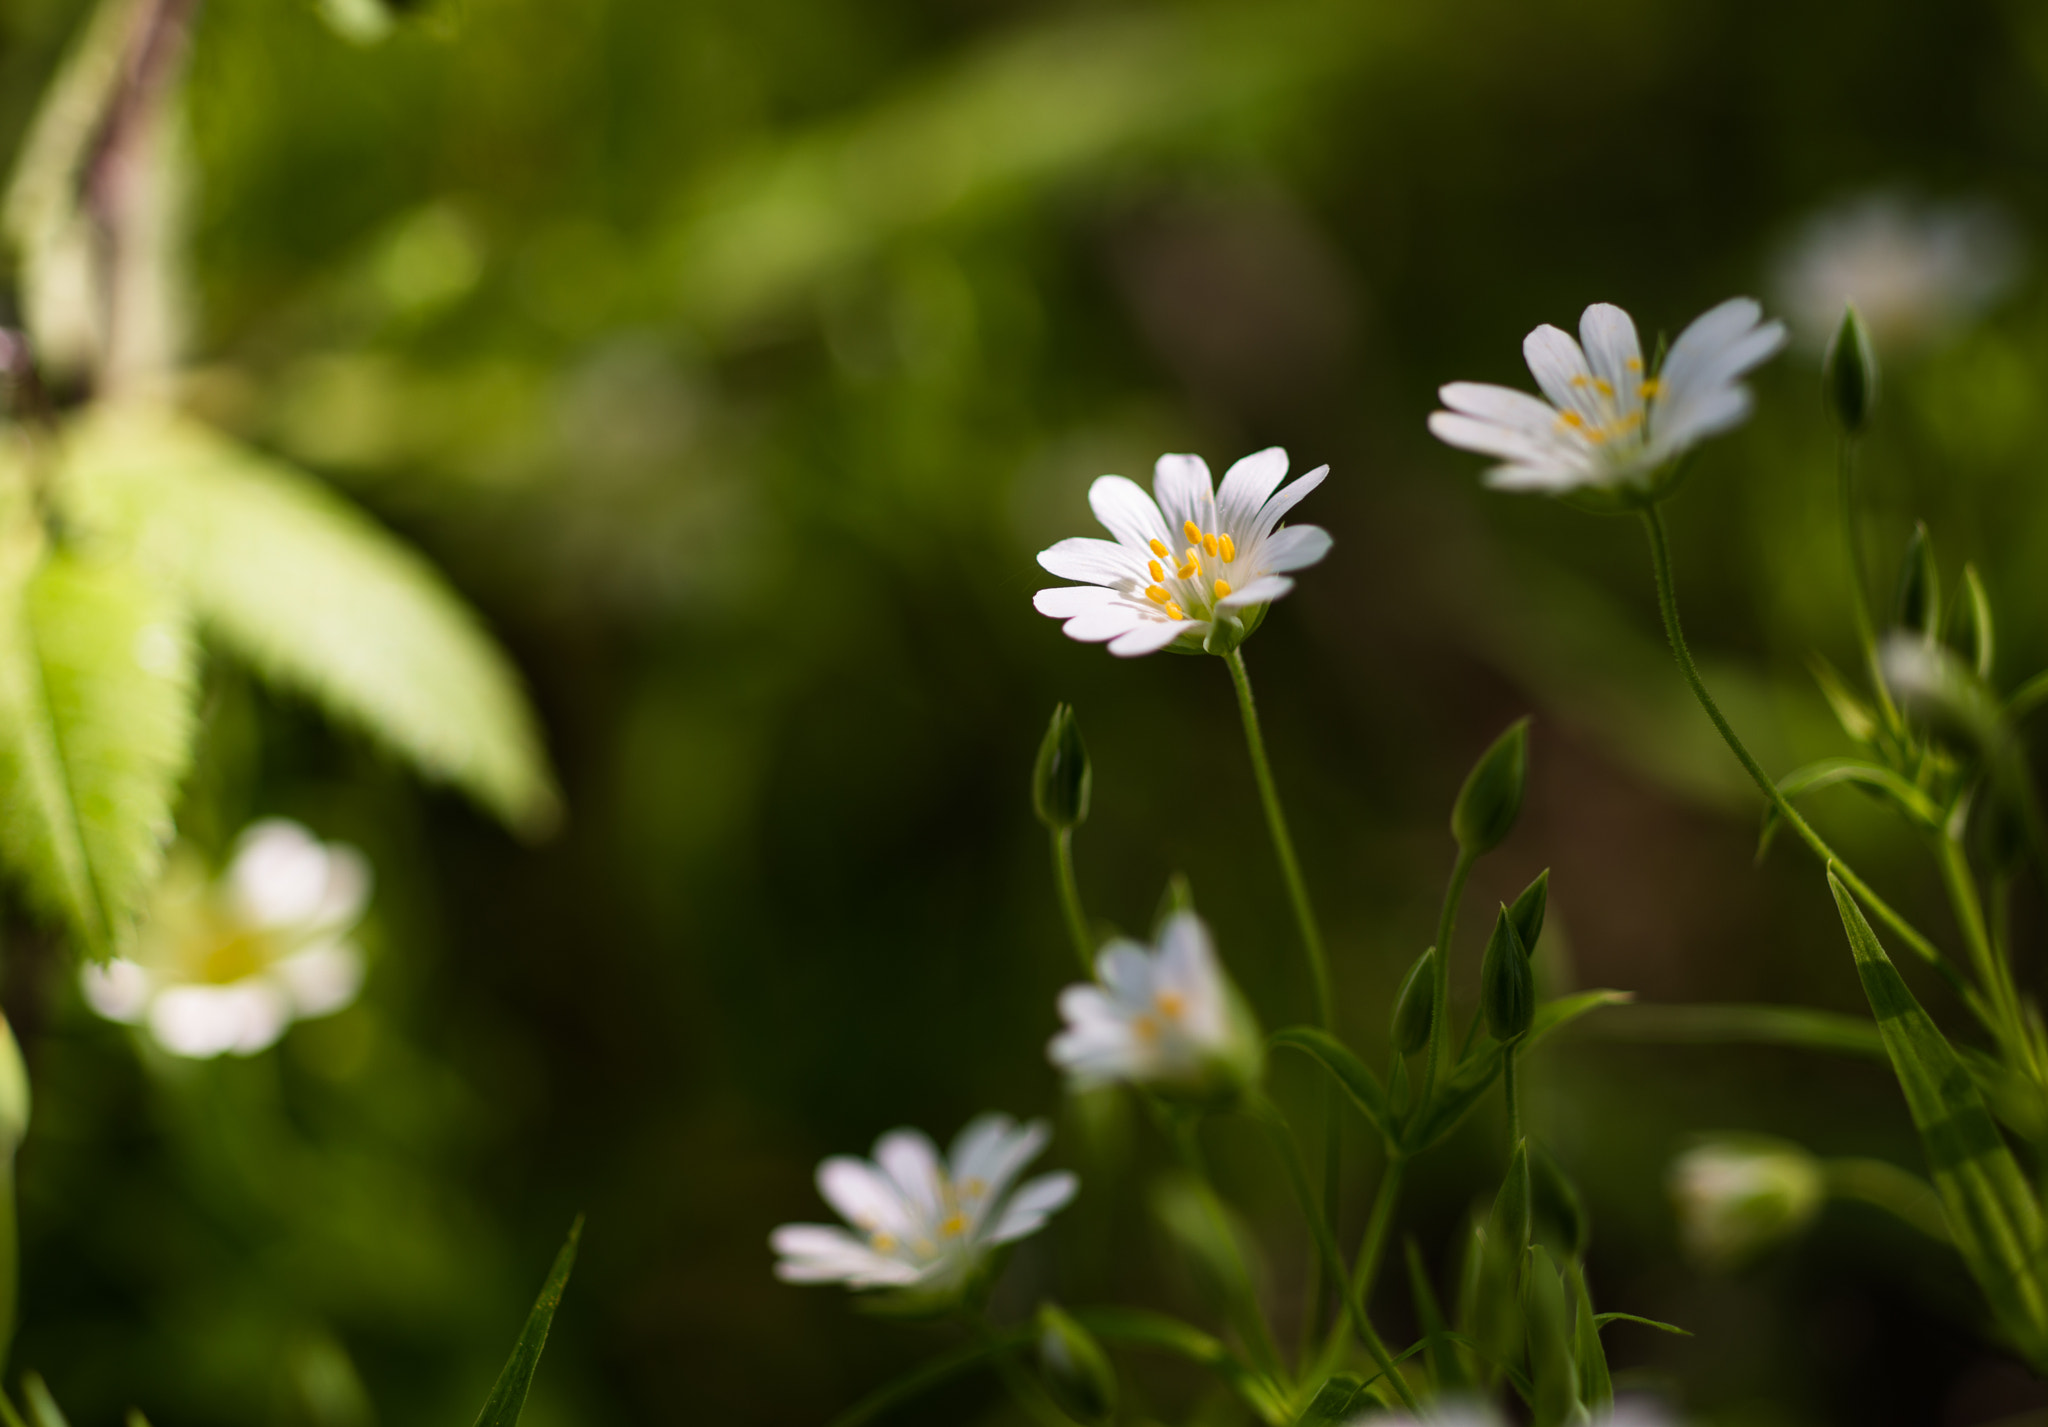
{"x": 924, "y": 1226}
{"x": 1914, "y": 271}
{"x": 228, "y": 965}
{"x": 1740, "y": 1195}
{"x": 1167, "y": 1018}
{"x": 1606, "y": 422}
{"x": 1178, "y": 565}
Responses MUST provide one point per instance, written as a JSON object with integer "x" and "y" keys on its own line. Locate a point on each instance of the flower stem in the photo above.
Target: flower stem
{"x": 1509, "y": 1086}
{"x": 1667, "y": 603}
{"x": 2006, "y": 1020}
{"x": 1070, "y": 899}
{"x": 1859, "y": 580}
{"x": 1244, "y": 1308}
{"x": 1022, "y": 1386}
{"x": 1440, "y": 991}
{"x": 1366, "y": 1268}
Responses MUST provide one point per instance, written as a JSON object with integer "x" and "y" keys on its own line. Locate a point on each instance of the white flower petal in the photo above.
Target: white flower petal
{"x": 1560, "y": 370}
{"x": 1032, "y": 1204}
{"x": 119, "y": 990}
{"x": 862, "y": 1195}
{"x": 1106, "y": 622}
{"x": 1127, "y": 512}
{"x": 1099, "y": 562}
{"x": 1613, "y": 353}
{"x": 1005, "y": 1160}
{"x": 279, "y": 873}
{"x": 1150, "y": 636}
{"x": 1285, "y": 499}
{"x": 348, "y": 887}
{"x": 1705, "y": 338}
{"x": 205, "y": 1021}
{"x": 979, "y": 1146}
{"x": 1501, "y": 406}
{"x": 1295, "y": 548}
{"x": 322, "y": 979}
{"x": 1066, "y": 601}
{"x": 1185, "y": 493}
{"x": 1490, "y": 439}
{"x": 1521, "y": 477}
{"x": 1706, "y": 416}
{"x": 1247, "y": 485}
{"x": 912, "y": 1164}
{"x": 817, "y": 1253}
{"x": 1126, "y": 970}
{"x": 1264, "y": 590}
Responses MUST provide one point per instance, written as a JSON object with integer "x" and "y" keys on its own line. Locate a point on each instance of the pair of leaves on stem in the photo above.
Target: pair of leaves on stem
{"x": 173, "y": 535}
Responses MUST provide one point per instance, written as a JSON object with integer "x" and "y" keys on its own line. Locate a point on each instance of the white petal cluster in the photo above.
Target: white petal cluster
{"x": 1740, "y": 1195}
{"x": 1603, "y": 420}
{"x": 1195, "y": 555}
{"x": 1165, "y": 1017}
{"x": 922, "y": 1224}
{"x": 226, "y": 966}
{"x": 1914, "y": 270}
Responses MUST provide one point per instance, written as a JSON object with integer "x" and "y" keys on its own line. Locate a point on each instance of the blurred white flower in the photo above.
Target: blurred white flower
{"x": 227, "y": 965}
{"x": 1914, "y": 270}
{"x": 1179, "y": 564}
{"x": 1605, "y": 421}
{"x": 925, "y": 1226}
{"x": 1168, "y": 1018}
{"x": 1739, "y": 1195}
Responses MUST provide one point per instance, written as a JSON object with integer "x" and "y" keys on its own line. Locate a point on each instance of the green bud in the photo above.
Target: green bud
{"x": 1551, "y": 1365}
{"x": 1077, "y": 1373}
{"x": 1918, "y": 604}
{"x": 1969, "y": 624}
{"x": 1849, "y": 375}
{"x": 1178, "y": 897}
{"x": 1507, "y": 983}
{"x": 1415, "y": 1005}
{"x": 1062, "y": 780}
{"x": 1491, "y": 799}
{"x": 1740, "y": 1195}
{"x": 1556, "y": 1207}
{"x": 1527, "y": 912}
{"x": 14, "y": 1098}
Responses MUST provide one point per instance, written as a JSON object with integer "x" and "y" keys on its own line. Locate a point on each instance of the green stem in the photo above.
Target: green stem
{"x": 1070, "y": 899}
{"x": 1859, "y": 580}
{"x": 1508, "y": 1085}
{"x": 1440, "y": 990}
{"x": 1905, "y": 1196}
{"x": 1993, "y": 973}
{"x": 1667, "y": 603}
{"x": 1365, "y": 1269}
{"x": 1244, "y": 1308}
{"x": 1022, "y": 1386}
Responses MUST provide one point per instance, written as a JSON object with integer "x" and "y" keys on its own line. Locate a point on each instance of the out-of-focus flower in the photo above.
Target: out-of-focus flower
{"x": 228, "y": 965}
{"x": 1604, "y": 421}
{"x": 925, "y": 1225}
{"x": 1738, "y": 1196}
{"x": 1914, "y": 270}
{"x": 1166, "y": 1017}
{"x": 1196, "y": 556}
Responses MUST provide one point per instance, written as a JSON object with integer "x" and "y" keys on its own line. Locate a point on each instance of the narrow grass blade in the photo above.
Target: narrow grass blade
{"x": 502, "y": 1407}
{"x": 1798, "y": 1026}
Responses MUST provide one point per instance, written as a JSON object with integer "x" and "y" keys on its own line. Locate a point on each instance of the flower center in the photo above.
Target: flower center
{"x": 1188, "y": 585}
{"x": 1611, "y": 421}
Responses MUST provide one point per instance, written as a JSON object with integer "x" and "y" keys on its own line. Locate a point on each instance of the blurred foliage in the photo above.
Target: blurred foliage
{"x": 735, "y": 359}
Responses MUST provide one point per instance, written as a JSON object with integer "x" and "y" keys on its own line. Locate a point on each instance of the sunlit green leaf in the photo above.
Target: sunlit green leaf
{"x": 1335, "y": 1403}
{"x": 42, "y": 1408}
{"x": 508, "y": 1397}
{"x": 319, "y": 599}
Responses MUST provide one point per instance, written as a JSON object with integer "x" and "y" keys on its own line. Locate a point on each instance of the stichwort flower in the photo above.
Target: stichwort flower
{"x": 1179, "y": 565}
{"x": 1604, "y": 421}
{"x": 922, "y": 1224}
{"x": 1164, "y": 1017}
{"x": 1739, "y": 1195}
{"x": 227, "y": 965}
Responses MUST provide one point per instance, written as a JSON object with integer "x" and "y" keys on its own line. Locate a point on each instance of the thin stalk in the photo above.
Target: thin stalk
{"x": 1312, "y": 945}
{"x": 1992, "y": 970}
{"x": 1508, "y": 1086}
{"x": 1905, "y": 1196}
{"x": 1022, "y": 1386}
{"x": 1366, "y": 1268}
{"x": 1859, "y": 581}
{"x": 1244, "y": 1309}
{"x": 1667, "y": 603}
{"x": 1070, "y": 899}
{"x": 1440, "y": 990}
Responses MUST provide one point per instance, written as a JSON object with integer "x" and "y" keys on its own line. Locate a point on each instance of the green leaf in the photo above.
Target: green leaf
{"x": 1144, "y": 1328}
{"x": 1920, "y": 810}
{"x": 96, "y": 695}
{"x": 42, "y": 1408}
{"x": 1474, "y": 1074}
{"x": 1549, "y": 1319}
{"x": 316, "y": 597}
{"x": 1747, "y": 1025}
{"x": 1353, "y": 1074}
{"x": 926, "y": 1376}
{"x": 1447, "y": 1373}
{"x": 1335, "y": 1403}
{"x": 1601, "y": 1320}
{"x": 1596, "y": 1382}
{"x": 1990, "y": 1207}
{"x": 502, "y": 1407}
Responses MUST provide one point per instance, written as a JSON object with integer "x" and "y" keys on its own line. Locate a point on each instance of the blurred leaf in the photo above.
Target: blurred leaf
{"x": 1601, "y": 1320}
{"x": 1596, "y": 1382}
{"x": 502, "y": 1407}
{"x": 1464, "y": 1086}
{"x": 317, "y": 597}
{"x": 1349, "y": 1071}
{"x": 1335, "y": 1403}
{"x": 1827, "y": 772}
{"x": 1753, "y": 1025}
{"x": 1991, "y": 1209}
{"x": 1447, "y": 1373}
{"x": 1550, "y": 1328}
{"x": 926, "y": 1376}
{"x": 96, "y": 694}
{"x": 1215, "y": 1241}
{"x": 42, "y": 1408}
{"x": 1145, "y": 1328}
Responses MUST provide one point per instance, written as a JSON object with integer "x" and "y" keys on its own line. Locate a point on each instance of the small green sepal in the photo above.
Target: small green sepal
{"x": 1062, "y": 780}
{"x": 1849, "y": 377}
{"x": 1917, "y": 606}
{"x": 1076, "y": 1372}
{"x": 1528, "y": 909}
{"x": 1491, "y": 799}
{"x": 1507, "y": 982}
{"x": 1969, "y": 630}
{"x": 1415, "y": 1005}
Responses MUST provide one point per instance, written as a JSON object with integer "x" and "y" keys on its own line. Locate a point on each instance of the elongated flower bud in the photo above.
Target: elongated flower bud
{"x": 1415, "y": 1005}
{"x": 1556, "y": 1206}
{"x": 1528, "y": 909}
{"x": 14, "y": 1098}
{"x": 1918, "y": 604}
{"x": 1491, "y": 799}
{"x": 1969, "y": 624}
{"x": 1061, "y": 781}
{"x": 1849, "y": 375}
{"x": 1077, "y": 1373}
{"x": 1551, "y": 1364}
{"x": 1507, "y": 983}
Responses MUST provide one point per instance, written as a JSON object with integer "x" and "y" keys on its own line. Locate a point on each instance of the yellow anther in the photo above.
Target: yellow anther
{"x": 955, "y": 1225}
{"x": 1158, "y": 595}
{"x": 925, "y": 1248}
{"x": 1158, "y": 571}
{"x": 974, "y": 1188}
{"x": 883, "y": 1243}
{"x": 1187, "y": 571}
{"x": 1170, "y": 1004}
{"x": 1173, "y": 611}
{"x": 1229, "y": 548}
{"x": 1193, "y": 555}
{"x": 1602, "y": 387}
{"x": 1571, "y": 418}
{"x": 1145, "y": 1028}
{"x": 1651, "y": 387}
{"x": 1159, "y": 549}
{"x": 1209, "y": 543}
{"x": 1581, "y": 379}
{"x": 1635, "y": 364}
{"x": 1193, "y": 530}
{"x": 1222, "y": 588}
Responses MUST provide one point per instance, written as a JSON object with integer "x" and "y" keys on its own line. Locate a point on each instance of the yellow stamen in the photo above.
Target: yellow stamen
{"x": 1651, "y": 387}
{"x": 1222, "y": 588}
{"x": 974, "y": 1188}
{"x": 1158, "y": 572}
{"x": 1159, "y": 549}
{"x": 1146, "y": 1028}
{"x": 1158, "y": 595}
{"x": 925, "y": 1248}
{"x": 1602, "y": 387}
{"x": 1229, "y": 548}
{"x": 1170, "y": 1004}
{"x": 1173, "y": 611}
{"x": 1186, "y": 572}
{"x": 883, "y": 1243}
{"x": 1193, "y": 530}
{"x": 1635, "y": 364}
{"x": 1581, "y": 379}
{"x": 955, "y": 1225}
{"x": 1571, "y": 418}
{"x": 1209, "y": 543}
{"x": 1192, "y": 555}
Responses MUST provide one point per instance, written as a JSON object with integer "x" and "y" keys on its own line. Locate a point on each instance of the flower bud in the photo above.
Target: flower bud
{"x": 1528, "y": 909}
{"x": 1507, "y": 983}
{"x": 1737, "y": 1196}
{"x": 1491, "y": 799}
{"x": 1507, "y": 1227}
{"x": 1077, "y": 1373}
{"x": 1552, "y": 1368}
{"x": 1969, "y": 624}
{"x": 1917, "y": 606}
{"x": 1555, "y": 1205}
{"x": 1062, "y": 780}
{"x": 1415, "y": 1005}
{"x": 1849, "y": 375}
{"x": 14, "y": 1097}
